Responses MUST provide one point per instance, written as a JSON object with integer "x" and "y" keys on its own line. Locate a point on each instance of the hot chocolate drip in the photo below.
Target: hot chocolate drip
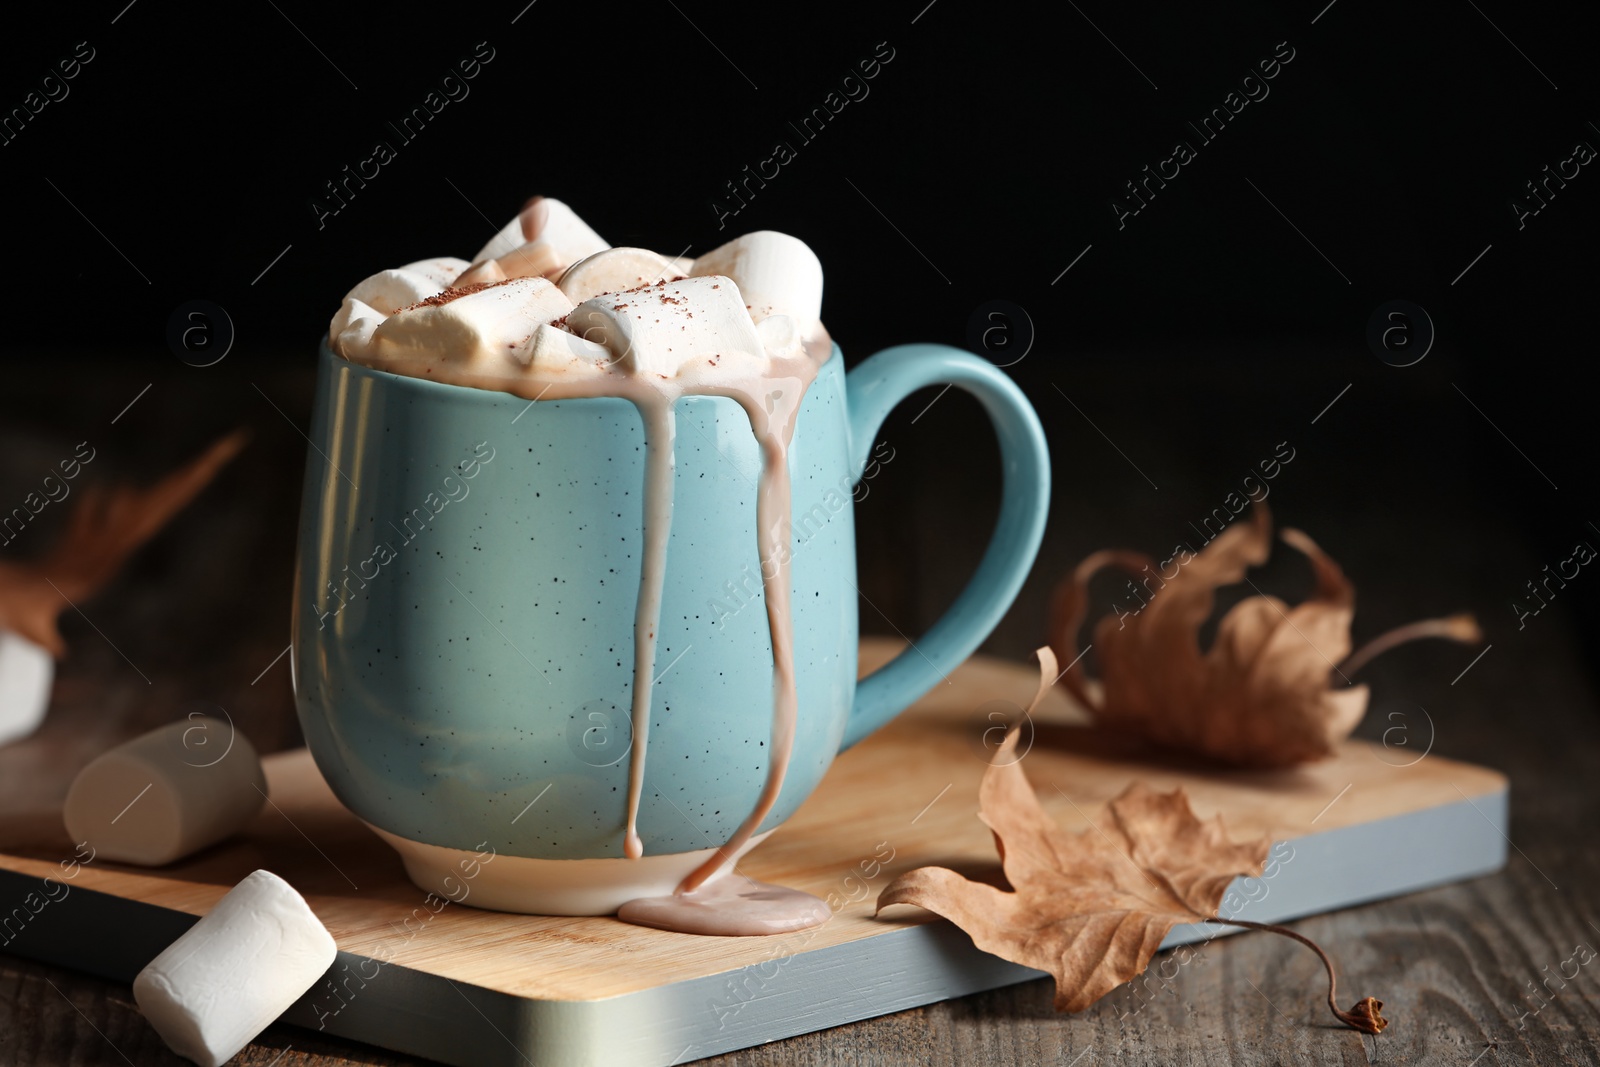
{"x": 660, "y": 435}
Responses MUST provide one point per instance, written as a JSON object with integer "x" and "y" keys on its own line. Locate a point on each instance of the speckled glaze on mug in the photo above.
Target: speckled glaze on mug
{"x": 465, "y": 592}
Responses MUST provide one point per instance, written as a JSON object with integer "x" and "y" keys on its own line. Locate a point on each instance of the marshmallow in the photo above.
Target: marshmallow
{"x": 441, "y": 270}
{"x": 486, "y": 273}
{"x": 354, "y": 325}
{"x": 778, "y": 275}
{"x": 536, "y": 259}
{"x": 550, "y": 222}
{"x": 168, "y": 793}
{"x": 780, "y": 337}
{"x": 683, "y": 265}
{"x": 614, "y": 270}
{"x": 509, "y": 237}
{"x": 385, "y": 292}
{"x": 658, "y": 329}
{"x": 26, "y": 671}
{"x": 486, "y": 330}
{"x": 210, "y": 992}
{"x": 390, "y": 290}
{"x": 554, "y": 349}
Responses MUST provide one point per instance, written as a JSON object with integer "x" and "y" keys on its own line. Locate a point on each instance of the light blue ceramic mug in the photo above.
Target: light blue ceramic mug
{"x": 464, "y": 607}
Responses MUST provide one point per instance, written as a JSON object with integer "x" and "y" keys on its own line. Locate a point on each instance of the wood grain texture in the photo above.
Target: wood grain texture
{"x": 204, "y": 610}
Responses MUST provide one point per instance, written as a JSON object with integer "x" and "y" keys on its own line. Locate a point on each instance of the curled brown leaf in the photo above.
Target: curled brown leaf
{"x": 1091, "y": 908}
{"x": 1273, "y": 690}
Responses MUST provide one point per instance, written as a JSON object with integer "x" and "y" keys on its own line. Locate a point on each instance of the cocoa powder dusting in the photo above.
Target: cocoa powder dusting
{"x": 455, "y": 293}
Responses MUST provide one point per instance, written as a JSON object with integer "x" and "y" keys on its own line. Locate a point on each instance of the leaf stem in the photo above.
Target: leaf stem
{"x": 1363, "y": 1016}
{"x": 1462, "y": 628}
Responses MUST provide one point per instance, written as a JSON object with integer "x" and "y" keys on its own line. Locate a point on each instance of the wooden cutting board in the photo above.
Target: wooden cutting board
{"x": 480, "y": 988}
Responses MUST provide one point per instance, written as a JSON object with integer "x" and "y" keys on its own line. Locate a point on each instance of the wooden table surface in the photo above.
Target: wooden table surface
{"x": 203, "y": 615}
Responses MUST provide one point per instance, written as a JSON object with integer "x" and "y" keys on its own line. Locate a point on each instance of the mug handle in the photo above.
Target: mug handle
{"x": 873, "y": 389}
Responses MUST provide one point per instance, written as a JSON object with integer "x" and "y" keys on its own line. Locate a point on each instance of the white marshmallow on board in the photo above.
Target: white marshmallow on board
{"x": 26, "y": 671}
{"x": 488, "y": 330}
{"x": 168, "y": 793}
{"x": 440, "y": 269}
{"x": 661, "y": 328}
{"x": 614, "y": 270}
{"x": 778, "y": 275}
{"x": 548, "y": 221}
{"x": 210, "y": 992}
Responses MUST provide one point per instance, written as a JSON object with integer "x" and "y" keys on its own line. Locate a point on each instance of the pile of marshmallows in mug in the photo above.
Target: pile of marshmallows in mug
{"x": 548, "y": 296}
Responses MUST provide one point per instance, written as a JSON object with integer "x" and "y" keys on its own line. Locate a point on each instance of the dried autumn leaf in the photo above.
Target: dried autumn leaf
{"x": 1091, "y": 908}
{"x": 106, "y": 526}
{"x": 1269, "y": 692}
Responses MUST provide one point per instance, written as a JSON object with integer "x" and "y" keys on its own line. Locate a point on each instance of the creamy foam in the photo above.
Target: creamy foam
{"x": 543, "y": 313}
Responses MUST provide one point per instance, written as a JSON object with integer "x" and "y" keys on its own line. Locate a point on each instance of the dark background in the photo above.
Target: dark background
{"x": 1174, "y": 355}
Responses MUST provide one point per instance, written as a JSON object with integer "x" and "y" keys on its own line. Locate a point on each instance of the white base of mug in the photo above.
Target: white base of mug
{"x": 546, "y": 887}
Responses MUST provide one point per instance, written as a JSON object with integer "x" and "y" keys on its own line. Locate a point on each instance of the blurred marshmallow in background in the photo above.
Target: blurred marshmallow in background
{"x": 26, "y": 671}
